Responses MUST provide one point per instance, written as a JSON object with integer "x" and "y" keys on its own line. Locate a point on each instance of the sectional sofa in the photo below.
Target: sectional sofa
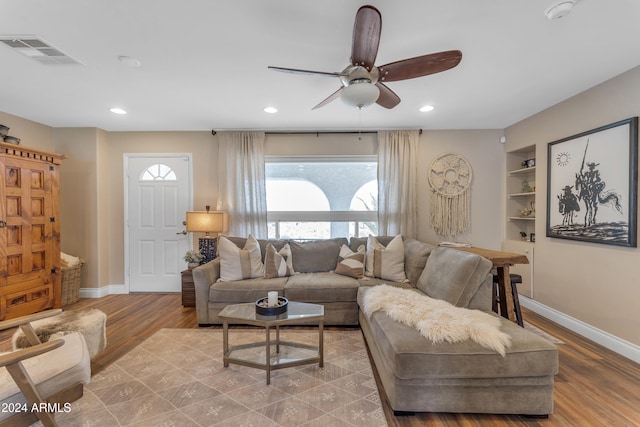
{"x": 417, "y": 374}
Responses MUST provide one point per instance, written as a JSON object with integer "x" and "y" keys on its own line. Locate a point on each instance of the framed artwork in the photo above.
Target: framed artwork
{"x": 592, "y": 190}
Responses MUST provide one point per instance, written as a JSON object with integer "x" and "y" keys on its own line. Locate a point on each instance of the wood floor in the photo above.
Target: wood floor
{"x": 595, "y": 387}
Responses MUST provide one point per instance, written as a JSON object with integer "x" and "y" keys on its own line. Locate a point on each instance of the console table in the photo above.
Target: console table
{"x": 507, "y": 292}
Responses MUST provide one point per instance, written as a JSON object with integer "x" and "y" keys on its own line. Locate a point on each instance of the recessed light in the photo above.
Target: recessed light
{"x": 116, "y": 110}
{"x": 271, "y": 110}
{"x": 129, "y": 61}
{"x": 426, "y": 108}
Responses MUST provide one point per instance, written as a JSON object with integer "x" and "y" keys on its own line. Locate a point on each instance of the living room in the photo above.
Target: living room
{"x": 578, "y": 285}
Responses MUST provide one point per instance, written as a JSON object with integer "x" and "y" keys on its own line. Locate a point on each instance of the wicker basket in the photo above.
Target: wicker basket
{"x": 71, "y": 283}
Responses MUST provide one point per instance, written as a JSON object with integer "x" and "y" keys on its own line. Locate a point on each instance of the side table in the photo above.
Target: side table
{"x": 188, "y": 289}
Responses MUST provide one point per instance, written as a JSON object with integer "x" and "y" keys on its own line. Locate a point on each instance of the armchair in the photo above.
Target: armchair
{"x": 38, "y": 381}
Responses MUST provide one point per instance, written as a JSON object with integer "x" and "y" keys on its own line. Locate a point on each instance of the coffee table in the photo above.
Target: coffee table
{"x": 287, "y": 353}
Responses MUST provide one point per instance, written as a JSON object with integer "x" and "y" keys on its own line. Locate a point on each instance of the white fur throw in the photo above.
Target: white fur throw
{"x": 436, "y": 320}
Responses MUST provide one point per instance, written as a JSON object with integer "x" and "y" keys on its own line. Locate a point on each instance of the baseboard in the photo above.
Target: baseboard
{"x": 605, "y": 339}
{"x": 103, "y": 291}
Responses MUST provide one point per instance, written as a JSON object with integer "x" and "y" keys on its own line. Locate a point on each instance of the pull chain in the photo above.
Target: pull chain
{"x": 360, "y": 123}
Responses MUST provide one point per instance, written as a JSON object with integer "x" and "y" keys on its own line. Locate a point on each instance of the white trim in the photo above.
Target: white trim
{"x": 329, "y": 216}
{"x": 103, "y": 291}
{"x": 613, "y": 343}
{"x": 312, "y": 158}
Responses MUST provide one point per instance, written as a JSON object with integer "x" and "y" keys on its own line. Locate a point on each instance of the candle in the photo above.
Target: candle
{"x": 272, "y": 298}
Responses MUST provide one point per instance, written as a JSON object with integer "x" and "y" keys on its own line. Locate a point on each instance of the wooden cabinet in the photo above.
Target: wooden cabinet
{"x": 29, "y": 231}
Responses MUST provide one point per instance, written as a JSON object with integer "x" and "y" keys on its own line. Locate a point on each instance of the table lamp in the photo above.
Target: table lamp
{"x": 207, "y": 222}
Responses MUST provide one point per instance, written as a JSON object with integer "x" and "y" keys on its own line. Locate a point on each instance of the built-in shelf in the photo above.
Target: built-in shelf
{"x": 520, "y": 193}
{"x": 523, "y": 171}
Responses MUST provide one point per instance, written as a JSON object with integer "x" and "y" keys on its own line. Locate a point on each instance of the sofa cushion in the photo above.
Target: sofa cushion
{"x": 245, "y": 290}
{"x": 238, "y": 264}
{"x": 321, "y": 287}
{"x": 411, "y": 356}
{"x": 278, "y": 263}
{"x": 386, "y": 262}
{"x": 416, "y": 254}
{"x": 452, "y": 275}
{"x": 316, "y": 255}
{"x": 351, "y": 263}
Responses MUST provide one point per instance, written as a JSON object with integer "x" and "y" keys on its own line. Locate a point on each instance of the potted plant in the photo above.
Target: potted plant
{"x": 193, "y": 258}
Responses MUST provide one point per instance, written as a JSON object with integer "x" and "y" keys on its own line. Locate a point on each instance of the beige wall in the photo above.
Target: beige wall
{"x": 483, "y": 151}
{"x": 78, "y": 199}
{"x": 31, "y": 134}
{"x": 203, "y": 146}
{"x": 92, "y": 191}
{"x": 596, "y": 284}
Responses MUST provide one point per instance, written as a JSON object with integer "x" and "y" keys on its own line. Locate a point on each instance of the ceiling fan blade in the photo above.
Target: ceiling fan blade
{"x": 387, "y": 98}
{"x": 420, "y": 66}
{"x": 330, "y": 98}
{"x": 366, "y": 37}
{"x": 297, "y": 71}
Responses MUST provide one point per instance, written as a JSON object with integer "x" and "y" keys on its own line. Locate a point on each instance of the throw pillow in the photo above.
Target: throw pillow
{"x": 239, "y": 264}
{"x": 386, "y": 262}
{"x": 351, "y": 263}
{"x": 316, "y": 255}
{"x": 278, "y": 263}
{"x": 453, "y": 276}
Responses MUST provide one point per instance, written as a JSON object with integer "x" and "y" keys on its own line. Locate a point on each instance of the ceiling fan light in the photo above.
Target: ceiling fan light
{"x": 360, "y": 94}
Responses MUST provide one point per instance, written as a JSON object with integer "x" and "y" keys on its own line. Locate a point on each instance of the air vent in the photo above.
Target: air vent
{"x": 38, "y": 50}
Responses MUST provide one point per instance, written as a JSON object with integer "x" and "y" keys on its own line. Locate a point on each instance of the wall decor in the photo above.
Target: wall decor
{"x": 450, "y": 203}
{"x": 592, "y": 190}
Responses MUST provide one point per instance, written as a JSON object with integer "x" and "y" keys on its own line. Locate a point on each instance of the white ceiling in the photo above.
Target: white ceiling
{"x": 204, "y": 62}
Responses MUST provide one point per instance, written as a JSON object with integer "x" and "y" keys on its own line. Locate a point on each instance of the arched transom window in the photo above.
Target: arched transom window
{"x": 158, "y": 172}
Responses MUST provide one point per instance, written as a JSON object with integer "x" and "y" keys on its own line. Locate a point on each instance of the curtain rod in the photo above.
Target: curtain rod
{"x": 317, "y": 133}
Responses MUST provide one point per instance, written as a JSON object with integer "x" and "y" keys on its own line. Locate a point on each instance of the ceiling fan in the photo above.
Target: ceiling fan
{"x": 362, "y": 81}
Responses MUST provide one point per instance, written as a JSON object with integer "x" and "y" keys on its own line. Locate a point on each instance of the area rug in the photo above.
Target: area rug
{"x": 176, "y": 378}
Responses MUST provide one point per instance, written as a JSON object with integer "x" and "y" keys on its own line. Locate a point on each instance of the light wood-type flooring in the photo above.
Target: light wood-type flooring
{"x": 595, "y": 386}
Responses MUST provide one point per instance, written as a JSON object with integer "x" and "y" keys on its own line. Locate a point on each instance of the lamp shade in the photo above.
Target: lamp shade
{"x": 360, "y": 94}
{"x": 207, "y": 222}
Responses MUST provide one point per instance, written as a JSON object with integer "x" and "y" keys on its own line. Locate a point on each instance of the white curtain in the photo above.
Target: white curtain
{"x": 397, "y": 175}
{"x": 241, "y": 182}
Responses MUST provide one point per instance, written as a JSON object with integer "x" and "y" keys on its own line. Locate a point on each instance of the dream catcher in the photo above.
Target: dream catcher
{"x": 450, "y": 204}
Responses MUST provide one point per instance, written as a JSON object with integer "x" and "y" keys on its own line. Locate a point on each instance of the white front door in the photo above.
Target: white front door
{"x": 158, "y": 193}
